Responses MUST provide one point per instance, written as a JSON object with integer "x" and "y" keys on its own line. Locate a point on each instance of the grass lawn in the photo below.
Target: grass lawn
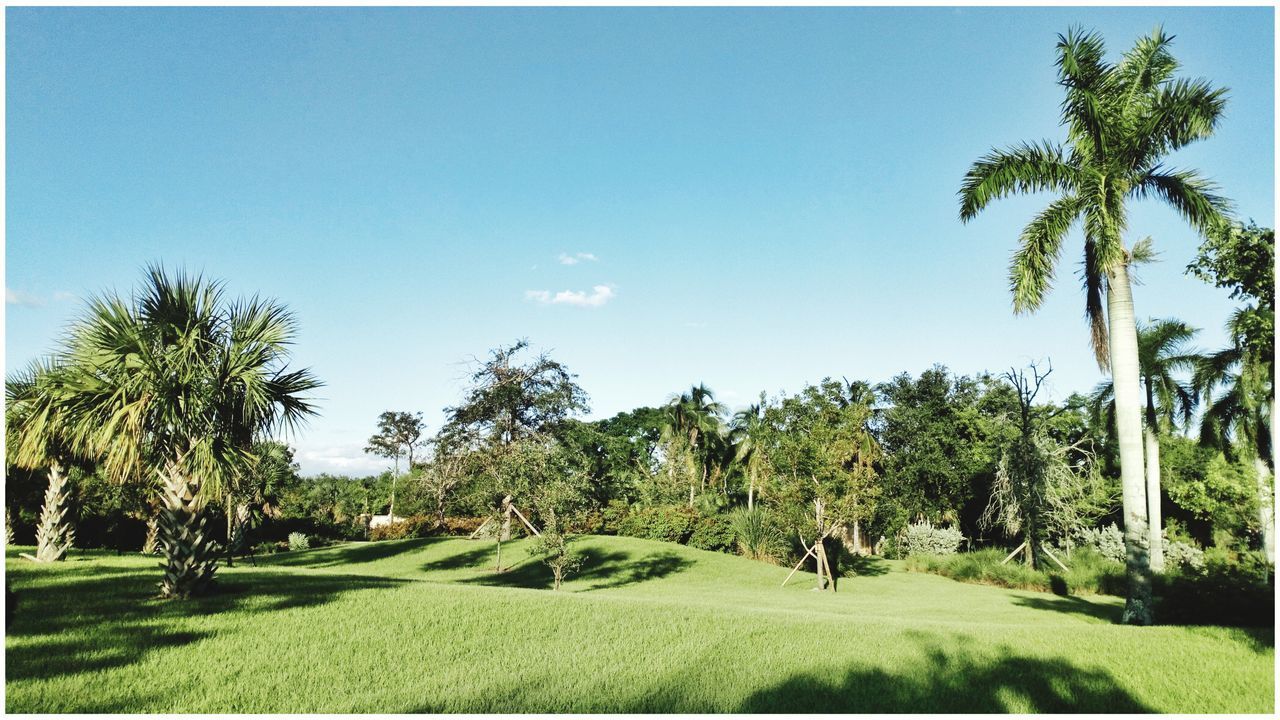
{"x": 423, "y": 626}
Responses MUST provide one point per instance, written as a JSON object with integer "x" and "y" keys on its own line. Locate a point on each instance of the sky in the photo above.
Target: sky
{"x": 753, "y": 199}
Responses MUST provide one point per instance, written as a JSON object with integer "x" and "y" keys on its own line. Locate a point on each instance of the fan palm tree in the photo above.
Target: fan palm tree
{"x": 1239, "y": 393}
{"x": 1163, "y": 353}
{"x": 1121, "y": 120}
{"x": 178, "y": 383}
{"x": 37, "y": 439}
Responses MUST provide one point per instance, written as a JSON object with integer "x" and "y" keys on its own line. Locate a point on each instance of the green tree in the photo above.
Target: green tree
{"x": 179, "y": 383}
{"x": 1122, "y": 120}
{"x": 1238, "y": 386}
{"x": 692, "y": 427}
{"x": 747, "y": 433}
{"x": 1163, "y": 355}
{"x": 399, "y": 433}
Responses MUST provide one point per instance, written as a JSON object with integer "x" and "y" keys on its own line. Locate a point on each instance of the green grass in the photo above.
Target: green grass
{"x": 423, "y": 625}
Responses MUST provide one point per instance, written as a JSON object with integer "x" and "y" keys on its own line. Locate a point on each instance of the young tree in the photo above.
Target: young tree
{"x": 824, "y": 455}
{"x": 399, "y": 433}
{"x": 1121, "y": 121}
{"x": 36, "y": 437}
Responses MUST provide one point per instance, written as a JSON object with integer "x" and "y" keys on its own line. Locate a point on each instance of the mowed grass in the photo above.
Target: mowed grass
{"x": 427, "y": 626}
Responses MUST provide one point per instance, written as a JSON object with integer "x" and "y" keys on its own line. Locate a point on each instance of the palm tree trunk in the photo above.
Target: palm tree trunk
{"x": 191, "y": 555}
{"x": 54, "y": 534}
{"x": 1123, "y": 340}
{"x": 1266, "y": 508}
{"x": 1155, "y": 538}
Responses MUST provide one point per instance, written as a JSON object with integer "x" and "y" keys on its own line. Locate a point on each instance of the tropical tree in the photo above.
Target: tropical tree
{"x": 399, "y": 433}
{"x": 37, "y": 438}
{"x": 178, "y": 383}
{"x": 1121, "y": 120}
{"x": 747, "y": 434}
{"x": 1239, "y": 391}
{"x": 1163, "y": 354}
{"x": 691, "y": 423}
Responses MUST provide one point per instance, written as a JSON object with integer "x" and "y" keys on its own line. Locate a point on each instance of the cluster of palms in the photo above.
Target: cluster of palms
{"x": 174, "y": 388}
{"x": 1122, "y": 119}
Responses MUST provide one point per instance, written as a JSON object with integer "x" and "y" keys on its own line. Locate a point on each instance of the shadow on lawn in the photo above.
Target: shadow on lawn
{"x": 864, "y": 565}
{"x": 1072, "y": 606}
{"x": 953, "y": 682}
{"x": 611, "y": 570}
{"x": 347, "y": 553}
{"x": 71, "y": 622}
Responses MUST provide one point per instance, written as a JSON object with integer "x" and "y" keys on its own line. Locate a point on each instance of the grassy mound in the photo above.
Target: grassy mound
{"x": 426, "y": 625}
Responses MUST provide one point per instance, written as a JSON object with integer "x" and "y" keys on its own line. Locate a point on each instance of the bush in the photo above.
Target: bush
{"x": 757, "y": 536}
{"x": 672, "y": 523}
{"x": 459, "y": 525}
{"x": 925, "y": 539}
{"x": 1231, "y": 589}
{"x": 299, "y": 541}
{"x": 1088, "y": 573}
{"x": 1107, "y": 541}
{"x": 1183, "y": 556}
{"x": 613, "y": 516}
{"x": 712, "y": 533}
{"x": 264, "y": 548}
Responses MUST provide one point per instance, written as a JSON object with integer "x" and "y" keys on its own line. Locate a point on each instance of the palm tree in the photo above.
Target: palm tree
{"x": 1121, "y": 120}
{"x": 1162, "y": 354}
{"x": 178, "y": 383}
{"x": 1239, "y": 393}
{"x": 36, "y": 438}
{"x": 688, "y": 417}
{"x": 747, "y": 436}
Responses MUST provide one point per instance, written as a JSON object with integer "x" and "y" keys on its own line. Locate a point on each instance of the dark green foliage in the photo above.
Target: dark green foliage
{"x": 712, "y": 532}
{"x": 1089, "y": 573}
{"x": 1233, "y": 589}
{"x": 672, "y": 523}
{"x": 411, "y": 527}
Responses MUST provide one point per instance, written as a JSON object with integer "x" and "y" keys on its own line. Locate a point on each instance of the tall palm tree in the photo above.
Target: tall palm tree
{"x": 179, "y": 383}
{"x": 688, "y": 417}
{"x": 1239, "y": 391}
{"x": 1121, "y": 120}
{"x": 747, "y": 435}
{"x": 1163, "y": 354}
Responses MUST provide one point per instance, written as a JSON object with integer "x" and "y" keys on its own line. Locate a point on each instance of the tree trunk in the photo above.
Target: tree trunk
{"x": 1123, "y": 341}
{"x": 191, "y": 555}
{"x": 1155, "y": 524}
{"x": 151, "y": 545}
{"x": 1266, "y": 508}
{"x": 231, "y": 522}
{"x": 751, "y": 492}
{"x": 54, "y": 534}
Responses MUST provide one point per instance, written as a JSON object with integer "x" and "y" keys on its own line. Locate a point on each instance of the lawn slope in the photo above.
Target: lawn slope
{"x": 426, "y": 626}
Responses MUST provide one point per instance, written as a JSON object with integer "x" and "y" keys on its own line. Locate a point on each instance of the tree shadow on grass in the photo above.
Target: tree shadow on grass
{"x": 1072, "y": 606}
{"x": 347, "y": 553}
{"x": 69, "y": 623}
{"x": 469, "y": 557}
{"x": 864, "y": 565}
{"x": 953, "y": 682}
{"x": 611, "y": 569}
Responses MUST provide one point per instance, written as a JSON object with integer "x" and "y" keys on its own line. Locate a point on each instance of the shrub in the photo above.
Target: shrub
{"x": 712, "y": 533}
{"x": 672, "y": 523}
{"x": 1107, "y": 541}
{"x": 1088, "y": 573}
{"x": 553, "y": 548}
{"x": 613, "y": 515}
{"x": 459, "y": 525}
{"x": 299, "y": 541}
{"x": 264, "y": 548}
{"x": 1183, "y": 556}
{"x": 756, "y": 534}
{"x": 925, "y": 539}
{"x": 1231, "y": 589}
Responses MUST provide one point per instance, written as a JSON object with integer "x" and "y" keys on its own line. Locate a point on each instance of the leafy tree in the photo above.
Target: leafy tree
{"x": 692, "y": 432}
{"x": 399, "y": 433}
{"x": 179, "y": 383}
{"x": 748, "y": 432}
{"x": 508, "y": 401}
{"x": 1214, "y": 496}
{"x": 1239, "y": 391}
{"x": 824, "y": 456}
{"x": 1121, "y": 120}
{"x": 1163, "y": 354}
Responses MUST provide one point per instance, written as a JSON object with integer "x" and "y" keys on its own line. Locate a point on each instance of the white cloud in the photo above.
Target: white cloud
{"x": 567, "y": 259}
{"x": 599, "y": 295}
{"x": 345, "y": 459}
{"x": 19, "y": 297}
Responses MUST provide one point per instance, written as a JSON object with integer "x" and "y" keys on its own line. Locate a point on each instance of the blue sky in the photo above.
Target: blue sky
{"x": 750, "y": 198}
